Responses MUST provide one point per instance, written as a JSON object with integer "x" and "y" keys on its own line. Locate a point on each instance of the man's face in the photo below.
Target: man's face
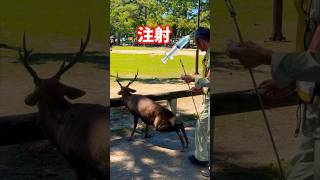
{"x": 201, "y": 44}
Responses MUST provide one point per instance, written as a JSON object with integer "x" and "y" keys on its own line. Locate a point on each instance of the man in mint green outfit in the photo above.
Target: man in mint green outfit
{"x": 302, "y": 67}
{"x": 202, "y": 130}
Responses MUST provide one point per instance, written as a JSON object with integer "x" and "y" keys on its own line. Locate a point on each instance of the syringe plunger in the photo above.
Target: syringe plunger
{"x": 169, "y": 55}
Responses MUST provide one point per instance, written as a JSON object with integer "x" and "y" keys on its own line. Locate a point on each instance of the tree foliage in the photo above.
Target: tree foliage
{"x": 180, "y": 15}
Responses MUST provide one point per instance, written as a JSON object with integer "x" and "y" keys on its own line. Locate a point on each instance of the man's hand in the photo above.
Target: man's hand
{"x": 272, "y": 90}
{"x": 187, "y": 78}
{"x": 249, "y": 54}
{"x": 195, "y": 90}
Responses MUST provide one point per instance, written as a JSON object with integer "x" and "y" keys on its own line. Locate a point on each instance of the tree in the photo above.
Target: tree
{"x": 181, "y": 15}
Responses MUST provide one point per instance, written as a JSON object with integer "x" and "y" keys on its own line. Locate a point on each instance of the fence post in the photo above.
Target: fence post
{"x": 172, "y": 104}
{"x": 277, "y": 21}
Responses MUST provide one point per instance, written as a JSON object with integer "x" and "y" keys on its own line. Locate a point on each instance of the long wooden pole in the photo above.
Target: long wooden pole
{"x": 197, "y": 52}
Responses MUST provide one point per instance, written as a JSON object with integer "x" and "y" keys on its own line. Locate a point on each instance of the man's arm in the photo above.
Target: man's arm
{"x": 203, "y": 82}
{"x": 294, "y": 66}
{"x": 285, "y": 66}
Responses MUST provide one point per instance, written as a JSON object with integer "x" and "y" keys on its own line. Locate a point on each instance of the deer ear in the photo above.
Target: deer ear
{"x": 132, "y": 90}
{"x": 120, "y": 92}
{"x": 32, "y": 99}
{"x": 72, "y": 93}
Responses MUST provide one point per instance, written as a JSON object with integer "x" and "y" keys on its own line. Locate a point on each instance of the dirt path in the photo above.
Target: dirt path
{"x": 34, "y": 161}
{"x": 158, "y": 157}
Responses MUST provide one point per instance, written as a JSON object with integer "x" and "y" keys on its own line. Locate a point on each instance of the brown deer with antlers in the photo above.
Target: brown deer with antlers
{"x": 151, "y": 113}
{"x": 78, "y": 130}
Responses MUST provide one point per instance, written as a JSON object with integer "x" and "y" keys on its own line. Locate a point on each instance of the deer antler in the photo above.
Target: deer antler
{"x": 63, "y": 68}
{"x": 117, "y": 79}
{"x": 135, "y": 78}
{"x": 24, "y": 58}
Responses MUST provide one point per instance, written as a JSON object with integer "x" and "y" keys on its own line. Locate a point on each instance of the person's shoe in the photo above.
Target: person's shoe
{"x": 205, "y": 172}
{"x": 195, "y": 161}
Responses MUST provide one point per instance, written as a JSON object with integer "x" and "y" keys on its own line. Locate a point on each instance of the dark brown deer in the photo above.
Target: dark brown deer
{"x": 79, "y": 131}
{"x": 151, "y": 113}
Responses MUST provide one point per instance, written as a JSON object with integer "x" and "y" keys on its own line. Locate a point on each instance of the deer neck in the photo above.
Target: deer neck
{"x": 53, "y": 104}
{"x": 126, "y": 98}
{"x": 52, "y": 116}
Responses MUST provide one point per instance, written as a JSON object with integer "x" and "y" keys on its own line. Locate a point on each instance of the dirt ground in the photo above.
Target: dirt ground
{"x": 158, "y": 157}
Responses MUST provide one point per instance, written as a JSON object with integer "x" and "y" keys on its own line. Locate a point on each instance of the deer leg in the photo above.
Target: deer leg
{"x": 135, "y": 123}
{"x": 184, "y": 135}
{"x": 146, "y": 130}
{"x": 181, "y": 139}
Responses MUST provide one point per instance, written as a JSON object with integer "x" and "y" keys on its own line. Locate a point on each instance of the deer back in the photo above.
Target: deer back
{"x": 147, "y": 109}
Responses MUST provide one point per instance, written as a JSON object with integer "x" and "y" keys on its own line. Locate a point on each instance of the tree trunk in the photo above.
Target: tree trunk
{"x": 118, "y": 39}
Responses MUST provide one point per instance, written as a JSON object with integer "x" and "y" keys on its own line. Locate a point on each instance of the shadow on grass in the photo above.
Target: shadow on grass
{"x": 153, "y": 80}
{"x": 93, "y": 57}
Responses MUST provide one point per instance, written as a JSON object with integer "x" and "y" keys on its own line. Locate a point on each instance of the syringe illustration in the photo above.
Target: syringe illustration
{"x": 178, "y": 46}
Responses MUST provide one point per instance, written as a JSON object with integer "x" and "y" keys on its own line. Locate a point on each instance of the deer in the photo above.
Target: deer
{"x": 79, "y": 131}
{"x": 151, "y": 113}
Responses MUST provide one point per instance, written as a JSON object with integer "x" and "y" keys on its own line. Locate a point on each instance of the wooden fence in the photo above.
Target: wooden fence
{"x": 22, "y": 128}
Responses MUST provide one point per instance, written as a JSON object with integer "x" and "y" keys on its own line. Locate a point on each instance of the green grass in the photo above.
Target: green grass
{"x": 149, "y": 65}
{"x": 49, "y": 24}
{"x": 137, "y": 48}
